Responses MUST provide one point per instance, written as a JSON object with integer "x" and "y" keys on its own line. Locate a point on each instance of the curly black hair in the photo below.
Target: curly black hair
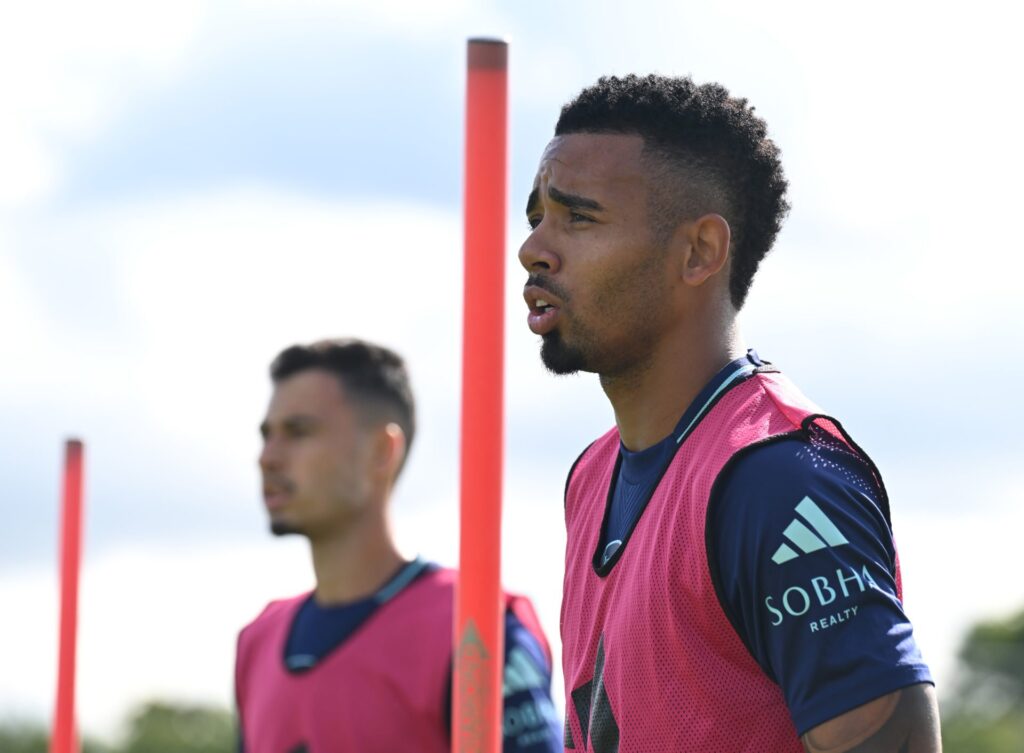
{"x": 373, "y": 376}
{"x": 708, "y": 152}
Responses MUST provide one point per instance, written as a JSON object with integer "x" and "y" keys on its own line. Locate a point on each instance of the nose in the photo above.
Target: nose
{"x": 537, "y": 255}
{"x": 270, "y": 456}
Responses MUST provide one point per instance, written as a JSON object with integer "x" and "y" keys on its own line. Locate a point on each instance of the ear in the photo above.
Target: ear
{"x": 389, "y": 450}
{"x": 706, "y": 248}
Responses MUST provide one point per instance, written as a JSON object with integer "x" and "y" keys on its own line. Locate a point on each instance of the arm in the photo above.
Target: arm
{"x": 906, "y": 721}
{"x": 841, "y": 648}
{"x": 530, "y": 722}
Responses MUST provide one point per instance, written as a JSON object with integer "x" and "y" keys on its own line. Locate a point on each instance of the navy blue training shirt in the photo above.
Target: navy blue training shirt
{"x": 802, "y": 556}
{"x": 806, "y": 563}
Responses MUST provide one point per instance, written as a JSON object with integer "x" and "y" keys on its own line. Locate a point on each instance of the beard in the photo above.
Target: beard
{"x": 593, "y": 345}
{"x": 282, "y": 528}
{"x": 559, "y": 357}
{"x": 596, "y": 353}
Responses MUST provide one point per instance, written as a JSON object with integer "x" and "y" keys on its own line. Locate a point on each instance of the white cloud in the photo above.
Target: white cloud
{"x": 209, "y": 288}
{"x": 958, "y": 565}
{"x": 18, "y": 305}
{"x": 66, "y": 67}
{"x": 397, "y": 17}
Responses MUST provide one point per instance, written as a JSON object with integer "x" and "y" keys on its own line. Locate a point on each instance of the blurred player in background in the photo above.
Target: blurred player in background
{"x": 364, "y": 661}
{"x": 731, "y": 579}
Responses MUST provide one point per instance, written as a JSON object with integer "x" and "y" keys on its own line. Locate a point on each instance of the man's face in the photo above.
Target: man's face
{"x": 316, "y": 456}
{"x": 592, "y": 256}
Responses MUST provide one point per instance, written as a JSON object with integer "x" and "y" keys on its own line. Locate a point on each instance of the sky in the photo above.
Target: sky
{"x": 186, "y": 188}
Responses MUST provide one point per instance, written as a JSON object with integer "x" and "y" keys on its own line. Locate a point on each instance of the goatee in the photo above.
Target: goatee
{"x": 560, "y": 358}
{"x": 280, "y": 528}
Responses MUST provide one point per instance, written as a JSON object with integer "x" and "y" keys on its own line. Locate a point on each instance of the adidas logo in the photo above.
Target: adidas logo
{"x": 821, "y": 533}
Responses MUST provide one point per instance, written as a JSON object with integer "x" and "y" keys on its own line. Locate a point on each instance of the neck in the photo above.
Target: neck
{"x": 650, "y": 399}
{"x": 355, "y": 562}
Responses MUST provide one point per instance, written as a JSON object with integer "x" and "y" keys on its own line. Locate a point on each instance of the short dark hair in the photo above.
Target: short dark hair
{"x": 711, "y": 149}
{"x": 374, "y": 377}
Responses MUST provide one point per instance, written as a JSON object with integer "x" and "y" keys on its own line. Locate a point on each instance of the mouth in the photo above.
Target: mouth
{"x": 276, "y": 495}
{"x": 545, "y": 309}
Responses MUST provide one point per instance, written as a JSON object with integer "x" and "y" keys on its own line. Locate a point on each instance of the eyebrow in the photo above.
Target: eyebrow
{"x": 568, "y": 200}
{"x": 290, "y": 423}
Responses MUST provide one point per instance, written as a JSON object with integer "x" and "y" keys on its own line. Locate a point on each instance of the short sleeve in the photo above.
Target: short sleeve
{"x": 804, "y": 562}
{"x": 530, "y": 723}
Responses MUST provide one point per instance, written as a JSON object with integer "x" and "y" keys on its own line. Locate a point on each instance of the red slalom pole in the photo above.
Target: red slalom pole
{"x": 479, "y": 650}
{"x": 64, "y": 739}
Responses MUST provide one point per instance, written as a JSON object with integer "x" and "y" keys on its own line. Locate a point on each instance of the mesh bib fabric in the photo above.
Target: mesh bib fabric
{"x": 651, "y": 661}
{"x": 380, "y": 691}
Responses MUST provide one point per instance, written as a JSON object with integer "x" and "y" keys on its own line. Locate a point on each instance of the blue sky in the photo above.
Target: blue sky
{"x": 189, "y": 187}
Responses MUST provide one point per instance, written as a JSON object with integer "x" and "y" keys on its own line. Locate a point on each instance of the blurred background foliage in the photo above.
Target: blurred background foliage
{"x": 982, "y": 713}
{"x": 154, "y": 727}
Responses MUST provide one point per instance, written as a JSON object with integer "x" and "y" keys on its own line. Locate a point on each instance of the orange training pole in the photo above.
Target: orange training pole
{"x": 479, "y": 651}
{"x": 64, "y": 739}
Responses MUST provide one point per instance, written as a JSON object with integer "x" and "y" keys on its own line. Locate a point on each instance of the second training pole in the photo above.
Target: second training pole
{"x": 479, "y": 650}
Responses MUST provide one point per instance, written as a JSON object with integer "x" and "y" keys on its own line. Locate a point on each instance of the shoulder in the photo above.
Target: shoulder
{"x": 274, "y": 611}
{"x": 270, "y": 623}
{"x": 430, "y": 597}
{"x": 767, "y": 483}
{"x": 604, "y": 447}
{"x": 436, "y": 579}
{"x": 782, "y": 505}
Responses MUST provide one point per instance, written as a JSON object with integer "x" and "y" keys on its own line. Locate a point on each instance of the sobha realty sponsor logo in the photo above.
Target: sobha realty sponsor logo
{"x": 810, "y": 532}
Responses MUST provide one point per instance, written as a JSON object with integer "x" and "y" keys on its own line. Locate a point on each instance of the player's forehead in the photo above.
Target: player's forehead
{"x": 312, "y": 392}
{"x": 596, "y": 161}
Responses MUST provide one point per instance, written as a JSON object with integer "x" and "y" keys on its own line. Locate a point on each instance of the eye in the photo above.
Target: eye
{"x": 297, "y": 431}
{"x": 575, "y": 217}
{"x": 534, "y": 220}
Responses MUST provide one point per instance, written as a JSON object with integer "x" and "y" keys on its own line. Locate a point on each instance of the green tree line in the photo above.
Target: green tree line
{"x": 156, "y": 727}
{"x": 983, "y": 712}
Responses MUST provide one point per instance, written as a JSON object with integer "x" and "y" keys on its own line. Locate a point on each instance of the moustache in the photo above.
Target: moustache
{"x": 278, "y": 483}
{"x": 546, "y": 284}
